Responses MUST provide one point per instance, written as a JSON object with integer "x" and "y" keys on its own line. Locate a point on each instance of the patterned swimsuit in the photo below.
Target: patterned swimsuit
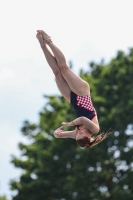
{"x": 83, "y": 106}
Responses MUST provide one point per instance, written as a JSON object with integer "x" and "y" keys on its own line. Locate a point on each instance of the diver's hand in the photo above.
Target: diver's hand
{"x": 58, "y": 131}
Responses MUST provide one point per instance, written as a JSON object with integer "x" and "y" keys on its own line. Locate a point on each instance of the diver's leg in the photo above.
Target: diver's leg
{"x": 60, "y": 81}
{"x": 76, "y": 84}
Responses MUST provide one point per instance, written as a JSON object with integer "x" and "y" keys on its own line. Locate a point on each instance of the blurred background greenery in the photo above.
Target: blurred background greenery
{"x": 57, "y": 169}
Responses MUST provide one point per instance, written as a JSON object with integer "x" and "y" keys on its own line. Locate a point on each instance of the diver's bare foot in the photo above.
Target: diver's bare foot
{"x": 40, "y": 39}
{"x": 45, "y": 37}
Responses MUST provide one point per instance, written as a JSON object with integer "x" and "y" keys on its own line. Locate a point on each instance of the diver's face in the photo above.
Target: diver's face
{"x": 83, "y": 133}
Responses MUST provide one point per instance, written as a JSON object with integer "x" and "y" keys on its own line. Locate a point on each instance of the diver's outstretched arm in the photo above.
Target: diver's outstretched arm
{"x": 59, "y": 133}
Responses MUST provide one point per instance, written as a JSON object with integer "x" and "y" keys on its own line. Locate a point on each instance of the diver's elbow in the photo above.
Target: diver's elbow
{"x": 97, "y": 129}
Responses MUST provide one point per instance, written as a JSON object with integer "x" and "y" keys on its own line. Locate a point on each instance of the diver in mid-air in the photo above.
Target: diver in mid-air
{"x": 77, "y": 92}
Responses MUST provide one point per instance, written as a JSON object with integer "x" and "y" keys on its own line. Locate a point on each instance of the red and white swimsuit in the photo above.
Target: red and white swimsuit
{"x": 83, "y": 106}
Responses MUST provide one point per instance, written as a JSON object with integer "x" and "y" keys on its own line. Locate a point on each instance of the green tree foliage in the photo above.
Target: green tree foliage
{"x": 57, "y": 169}
{"x": 3, "y": 197}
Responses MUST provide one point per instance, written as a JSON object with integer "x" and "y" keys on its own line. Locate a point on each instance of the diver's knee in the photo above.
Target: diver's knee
{"x": 63, "y": 66}
{"x": 56, "y": 72}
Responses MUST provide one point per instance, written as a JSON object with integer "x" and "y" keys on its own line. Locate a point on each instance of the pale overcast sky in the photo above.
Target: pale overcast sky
{"x": 84, "y": 30}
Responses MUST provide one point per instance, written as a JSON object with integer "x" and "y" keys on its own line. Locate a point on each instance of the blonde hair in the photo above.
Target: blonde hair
{"x": 87, "y": 142}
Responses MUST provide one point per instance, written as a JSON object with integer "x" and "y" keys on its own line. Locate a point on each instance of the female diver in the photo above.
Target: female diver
{"x": 77, "y": 92}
